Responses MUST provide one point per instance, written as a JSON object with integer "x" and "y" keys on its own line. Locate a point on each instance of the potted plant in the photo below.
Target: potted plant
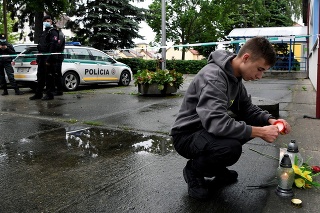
{"x": 160, "y": 82}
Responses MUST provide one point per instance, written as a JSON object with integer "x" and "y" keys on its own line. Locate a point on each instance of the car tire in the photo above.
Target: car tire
{"x": 70, "y": 81}
{"x": 125, "y": 78}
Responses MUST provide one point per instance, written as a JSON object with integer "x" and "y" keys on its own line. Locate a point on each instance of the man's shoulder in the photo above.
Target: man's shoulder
{"x": 53, "y": 31}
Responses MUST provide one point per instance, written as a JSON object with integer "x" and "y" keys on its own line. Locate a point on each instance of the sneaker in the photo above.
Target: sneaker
{"x": 19, "y": 93}
{"x": 227, "y": 177}
{"x": 36, "y": 96}
{"x": 47, "y": 97}
{"x": 5, "y": 93}
{"x": 196, "y": 184}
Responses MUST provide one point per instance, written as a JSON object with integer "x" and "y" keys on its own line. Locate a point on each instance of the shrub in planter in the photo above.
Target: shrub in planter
{"x": 163, "y": 79}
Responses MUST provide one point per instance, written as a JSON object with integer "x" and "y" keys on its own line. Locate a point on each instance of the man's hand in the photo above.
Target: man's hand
{"x": 267, "y": 133}
{"x": 3, "y": 47}
{"x": 287, "y": 126}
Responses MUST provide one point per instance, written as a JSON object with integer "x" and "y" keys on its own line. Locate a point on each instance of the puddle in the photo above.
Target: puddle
{"x": 75, "y": 145}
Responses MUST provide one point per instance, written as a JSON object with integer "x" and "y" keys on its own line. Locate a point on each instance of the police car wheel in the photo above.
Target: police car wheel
{"x": 70, "y": 81}
{"x": 124, "y": 78}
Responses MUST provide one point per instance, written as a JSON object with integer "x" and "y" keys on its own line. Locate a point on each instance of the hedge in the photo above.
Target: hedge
{"x": 183, "y": 66}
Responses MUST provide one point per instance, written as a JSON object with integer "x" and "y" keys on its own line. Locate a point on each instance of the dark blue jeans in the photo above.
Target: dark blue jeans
{"x": 7, "y": 67}
{"x": 210, "y": 154}
{"x": 58, "y": 77}
{"x": 45, "y": 77}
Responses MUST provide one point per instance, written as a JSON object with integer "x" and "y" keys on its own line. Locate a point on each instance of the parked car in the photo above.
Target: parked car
{"x": 19, "y": 48}
{"x": 82, "y": 65}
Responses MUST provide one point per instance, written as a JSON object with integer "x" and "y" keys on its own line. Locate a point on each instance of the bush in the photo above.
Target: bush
{"x": 182, "y": 66}
{"x": 160, "y": 77}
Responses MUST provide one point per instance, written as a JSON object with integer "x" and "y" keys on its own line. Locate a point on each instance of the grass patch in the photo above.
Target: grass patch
{"x": 120, "y": 93}
{"x": 89, "y": 91}
{"x": 71, "y": 121}
{"x": 133, "y": 93}
{"x": 93, "y": 123}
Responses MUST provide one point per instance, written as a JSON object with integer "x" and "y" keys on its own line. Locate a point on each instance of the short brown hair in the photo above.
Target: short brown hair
{"x": 259, "y": 47}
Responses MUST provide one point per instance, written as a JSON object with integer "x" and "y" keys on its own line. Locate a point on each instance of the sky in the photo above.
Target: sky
{"x": 145, "y": 30}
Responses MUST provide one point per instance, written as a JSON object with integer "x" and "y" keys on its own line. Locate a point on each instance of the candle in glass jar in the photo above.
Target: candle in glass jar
{"x": 281, "y": 127}
{"x": 285, "y": 176}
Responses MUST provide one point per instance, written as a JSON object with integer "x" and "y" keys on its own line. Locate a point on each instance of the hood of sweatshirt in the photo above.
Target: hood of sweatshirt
{"x": 223, "y": 59}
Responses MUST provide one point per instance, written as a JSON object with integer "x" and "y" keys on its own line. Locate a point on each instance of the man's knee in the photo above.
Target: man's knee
{"x": 233, "y": 154}
{"x": 227, "y": 154}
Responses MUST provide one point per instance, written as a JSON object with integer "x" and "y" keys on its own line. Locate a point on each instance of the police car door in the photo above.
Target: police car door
{"x": 105, "y": 72}
{"x": 85, "y": 67}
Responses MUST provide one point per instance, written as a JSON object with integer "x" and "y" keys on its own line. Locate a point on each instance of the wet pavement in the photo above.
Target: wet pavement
{"x": 107, "y": 149}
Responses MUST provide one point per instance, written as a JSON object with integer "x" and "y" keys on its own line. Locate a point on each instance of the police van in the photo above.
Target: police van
{"x": 82, "y": 65}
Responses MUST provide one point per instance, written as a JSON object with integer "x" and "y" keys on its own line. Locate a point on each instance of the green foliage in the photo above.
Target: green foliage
{"x": 186, "y": 66}
{"x": 182, "y": 66}
{"x": 106, "y": 24}
{"x": 31, "y": 11}
{"x": 160, "y": 77}
{"x": 201, "y": 21}
{"x": 12, "y": 37}
{"x": 187, "y": 21}
{"x": 134, "y": 63}
{"x": 295, "y": 65}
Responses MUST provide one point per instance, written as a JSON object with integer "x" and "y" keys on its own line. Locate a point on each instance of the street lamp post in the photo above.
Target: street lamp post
{"x": 163, "y": 28}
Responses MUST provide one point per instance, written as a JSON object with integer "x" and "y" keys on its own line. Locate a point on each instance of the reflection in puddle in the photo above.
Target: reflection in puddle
{"x": 72, "y": 146}
{"x": 96, "y": 142}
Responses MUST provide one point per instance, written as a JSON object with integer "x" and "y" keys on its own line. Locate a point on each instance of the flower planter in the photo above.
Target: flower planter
{"x": 152, "y": 89}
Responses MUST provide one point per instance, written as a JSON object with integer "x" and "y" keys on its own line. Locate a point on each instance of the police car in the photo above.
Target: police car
{"x": 21, "y": 47}
{"x": 81, "y": 65}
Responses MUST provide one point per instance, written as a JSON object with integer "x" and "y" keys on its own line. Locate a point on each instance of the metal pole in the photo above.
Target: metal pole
{"x": 163, "y": 28}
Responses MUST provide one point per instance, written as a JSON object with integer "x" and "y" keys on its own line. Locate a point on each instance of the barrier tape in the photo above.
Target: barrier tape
{"x": 35, "y": 54}
{"x": 271, "y": 39}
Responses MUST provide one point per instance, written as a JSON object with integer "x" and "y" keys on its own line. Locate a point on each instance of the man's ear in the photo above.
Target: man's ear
{"x": 245, "y": 57}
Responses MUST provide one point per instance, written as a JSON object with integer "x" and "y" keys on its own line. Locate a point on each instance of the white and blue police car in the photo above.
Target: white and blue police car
{"x": 82, "y": 65}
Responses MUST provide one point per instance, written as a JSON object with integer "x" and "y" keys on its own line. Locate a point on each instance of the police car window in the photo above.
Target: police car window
{"x": 67, "y": 54}
{"x": 80, "y": 53}
{"x": 29, "y": 52}
{"x": 20, "y": 48}
{"x": 100, "y": 56}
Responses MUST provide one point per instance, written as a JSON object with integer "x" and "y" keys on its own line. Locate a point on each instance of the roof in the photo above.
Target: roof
{"x": 127, "y": 54}
{"x": 242, "y": 33}
{"x": 194, "y": 52}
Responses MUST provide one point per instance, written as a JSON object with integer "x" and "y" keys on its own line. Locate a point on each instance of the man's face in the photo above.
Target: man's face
{"x": 252, "y": 69}
{"x": 48, "y": 20}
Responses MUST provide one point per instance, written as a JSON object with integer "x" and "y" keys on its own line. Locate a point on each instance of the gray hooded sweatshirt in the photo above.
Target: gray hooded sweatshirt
{"x": 214, "y": 92}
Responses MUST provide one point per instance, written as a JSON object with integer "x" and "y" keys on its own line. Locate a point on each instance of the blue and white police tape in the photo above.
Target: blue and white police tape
{"x": 34, "y": 54}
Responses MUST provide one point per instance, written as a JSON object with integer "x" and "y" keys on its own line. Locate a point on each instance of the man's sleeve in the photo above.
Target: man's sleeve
{"x": 54, "y": 36}
{"x": 10, "y": 49}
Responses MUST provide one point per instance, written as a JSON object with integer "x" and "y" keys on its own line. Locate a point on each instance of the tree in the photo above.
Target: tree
{"x": 187, "y": 21}
{"x": 257, "y": 13}
{"x": 10, "y": 25}
{"x": 201, "y": 21}
{"x": 32, "y": 11}
{"x": 106, "y": 24}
